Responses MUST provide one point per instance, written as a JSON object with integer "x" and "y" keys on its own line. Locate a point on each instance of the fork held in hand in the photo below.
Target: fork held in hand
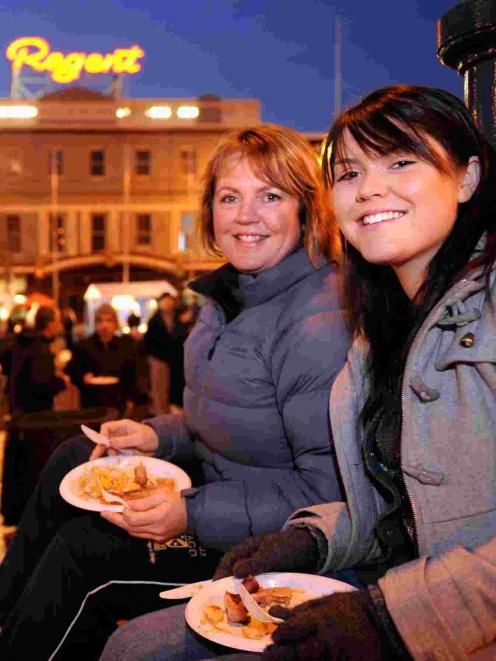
{"x": 108, "y": 496}
{"x": 254, "y": 609}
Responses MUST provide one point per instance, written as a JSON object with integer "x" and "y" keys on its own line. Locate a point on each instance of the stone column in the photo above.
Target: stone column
{"x": 466, "y": 41}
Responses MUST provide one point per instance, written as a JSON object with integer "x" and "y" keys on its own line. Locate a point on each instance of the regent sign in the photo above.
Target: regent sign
{"x": 35, "y": 53}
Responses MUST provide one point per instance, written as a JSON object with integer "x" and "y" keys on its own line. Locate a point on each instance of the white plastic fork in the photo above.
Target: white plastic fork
{"x": 108, "y": 496}
{"x": 254, "y": 609}
{"x": 100, "y": 439}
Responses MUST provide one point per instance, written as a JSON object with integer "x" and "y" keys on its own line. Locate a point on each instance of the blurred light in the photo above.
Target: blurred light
{"x": 126, "y": 330}
{"x": 123, "y": 302}
{"x": 92, "y": 294}
{"x": 152, "y": 304}
{"x": 63, "y": 357}
{"x": 158, "y": 112}
{"x": 18, "y": 112}
{"x": 31, "y": 314}
{"x": 17, "y": 328}
{"x": 20, "y": 299}
{"x": 188, "y": 112}
{"x": 143, "y": 328}
{"x": 125, "y": 111}
{"x": 4, "y": 314}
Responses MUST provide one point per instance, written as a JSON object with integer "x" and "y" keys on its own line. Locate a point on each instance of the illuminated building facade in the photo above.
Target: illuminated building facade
{"x": 98, "y": 188}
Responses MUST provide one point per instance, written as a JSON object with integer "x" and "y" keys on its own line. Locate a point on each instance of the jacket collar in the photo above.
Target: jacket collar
{"x": 230, "y": 288}
{"x": 452, "y": 310}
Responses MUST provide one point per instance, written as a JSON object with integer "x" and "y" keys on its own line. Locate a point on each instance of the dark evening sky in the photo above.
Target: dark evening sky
{"x": 280, "y": 51}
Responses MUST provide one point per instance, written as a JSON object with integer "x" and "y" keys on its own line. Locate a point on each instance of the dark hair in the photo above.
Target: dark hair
{"x": 44, "y": 315}
{"x": 165, "y": 294}
{"x": 133, "y": 321}
{"x": 399, "y": 119}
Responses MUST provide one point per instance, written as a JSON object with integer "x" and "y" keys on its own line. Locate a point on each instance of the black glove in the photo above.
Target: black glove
{"x": 338, "y": 627}
{"x": 293, "y": 549}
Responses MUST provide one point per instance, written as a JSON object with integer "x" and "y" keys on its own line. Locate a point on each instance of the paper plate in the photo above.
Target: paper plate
{"x": 103, "y": 381}
{"x": 157, "y": 467}
{"x": 213, "y": 594}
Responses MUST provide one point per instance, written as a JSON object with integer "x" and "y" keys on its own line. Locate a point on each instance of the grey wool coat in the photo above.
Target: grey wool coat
{"x": 256, "y": 398}
{"x": 444, "y": 603}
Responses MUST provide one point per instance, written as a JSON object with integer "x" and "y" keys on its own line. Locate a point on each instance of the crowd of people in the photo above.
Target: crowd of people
{"x": 108, "y": 368}
{"x": 339, "y": 411}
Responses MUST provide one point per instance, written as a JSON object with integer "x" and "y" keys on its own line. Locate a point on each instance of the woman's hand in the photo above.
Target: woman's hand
{"x": 158, "y": 517}
{"x": 293, "y": 549}
{"x": 331, "y": 628}
{"x": 124, "y": 434}
{"x": 88, "y": 378}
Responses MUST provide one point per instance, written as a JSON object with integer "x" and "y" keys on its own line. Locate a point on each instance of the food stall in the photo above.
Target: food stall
{"x": 138, "y": 297}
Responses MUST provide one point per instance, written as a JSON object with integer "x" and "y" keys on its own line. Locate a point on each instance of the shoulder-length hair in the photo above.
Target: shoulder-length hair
{"x": 283, "y": 158}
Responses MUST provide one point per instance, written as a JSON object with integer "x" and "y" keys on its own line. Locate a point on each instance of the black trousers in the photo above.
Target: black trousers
{"x": 69, "y": 575}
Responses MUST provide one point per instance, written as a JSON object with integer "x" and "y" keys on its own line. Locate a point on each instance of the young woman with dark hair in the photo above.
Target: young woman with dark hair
{"x": 413, "y": 412}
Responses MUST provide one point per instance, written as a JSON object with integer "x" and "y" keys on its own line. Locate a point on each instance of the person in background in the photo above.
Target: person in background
{"x": 103, "y": 366}
{"x": 259, "y": 364}
{"x": 142, "y": 400}
{"x": 162, "y": 343}
{"x": 184, "y": 325}
{"x": 33, "y": 380}
{"x": 413, "y": 413}
{"x": 133, "y": 322}
{"x": 69, "y": 320}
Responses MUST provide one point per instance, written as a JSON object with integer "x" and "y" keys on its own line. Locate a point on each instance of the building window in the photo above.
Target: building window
{"x": 98, "y": 233}
{"x": 143, "y": 162}
{"x": 186, "y": 233}
{"x": 97, "y": 162}
{"x": 188, "y": 160}
{"x": 57, "y": 232}
{"x": 144, "y": 229}
{"x": 56, "y": 162}
{"x": 13, "y": 233}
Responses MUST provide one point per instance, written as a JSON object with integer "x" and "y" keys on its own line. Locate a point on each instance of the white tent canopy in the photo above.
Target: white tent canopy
{"x": 126, "y": 298}
{"x": 144, "y": 289}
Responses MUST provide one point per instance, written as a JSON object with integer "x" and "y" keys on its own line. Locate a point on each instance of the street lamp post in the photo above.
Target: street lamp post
{"x": 53, "y": 223}
{"x": 466, "y": 40}
{"x": 126, "y": 196}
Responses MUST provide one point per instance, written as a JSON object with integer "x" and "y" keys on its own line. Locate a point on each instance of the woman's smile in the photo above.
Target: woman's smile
{"x": 373, "y": 218}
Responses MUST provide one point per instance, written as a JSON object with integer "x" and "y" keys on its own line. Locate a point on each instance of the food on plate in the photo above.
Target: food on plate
{"x": 257, "y": 630}
{"x": 214, "y": 614}
{"x": 125, "y": 481}
{"x": 140, "y": 475}
{"x": 235, "y": 610}
{"x": 251, "y": 584}
{"x": 267, "y": 597}
{"x": 232, "y": 617}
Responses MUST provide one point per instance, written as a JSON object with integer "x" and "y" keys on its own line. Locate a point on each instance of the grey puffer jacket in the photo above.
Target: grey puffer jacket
{"x": 444, "y": 603}
{"x": 256, "y": 398}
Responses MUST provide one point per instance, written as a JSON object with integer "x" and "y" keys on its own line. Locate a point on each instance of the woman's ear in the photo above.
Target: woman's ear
{"x": 470, "y": 180}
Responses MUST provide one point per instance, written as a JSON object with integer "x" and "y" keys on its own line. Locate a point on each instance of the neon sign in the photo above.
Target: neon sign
{"x": 34, "y": 52}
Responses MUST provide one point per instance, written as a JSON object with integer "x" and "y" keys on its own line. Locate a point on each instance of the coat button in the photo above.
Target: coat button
{"x": 468, "y": 340}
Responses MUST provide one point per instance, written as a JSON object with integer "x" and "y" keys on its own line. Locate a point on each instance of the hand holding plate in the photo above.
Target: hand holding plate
{"x": 158, "y": 517}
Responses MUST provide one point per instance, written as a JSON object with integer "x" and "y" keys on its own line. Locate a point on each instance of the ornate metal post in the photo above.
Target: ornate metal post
{"x": 466, "y": 40}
